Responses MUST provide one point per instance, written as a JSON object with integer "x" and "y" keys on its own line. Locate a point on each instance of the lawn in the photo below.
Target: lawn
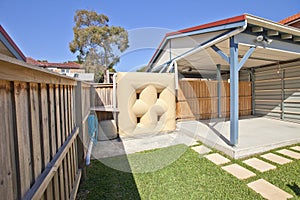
{"x": 177, "y": 172}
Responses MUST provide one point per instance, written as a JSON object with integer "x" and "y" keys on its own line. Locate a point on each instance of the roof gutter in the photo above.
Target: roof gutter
{"x": 11, "y": 45}
{"x": 200, "y": 47}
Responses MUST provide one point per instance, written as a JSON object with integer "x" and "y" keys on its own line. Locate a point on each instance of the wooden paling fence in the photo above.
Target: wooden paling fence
{"x": 103, "y": 98}
{"x": 104, "y": 94}
{"x": 43, "y": 121}
{"x": 198, "y": 99}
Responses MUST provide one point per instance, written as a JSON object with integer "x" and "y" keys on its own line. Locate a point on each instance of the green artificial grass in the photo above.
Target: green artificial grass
{"x": 178, "y": 172}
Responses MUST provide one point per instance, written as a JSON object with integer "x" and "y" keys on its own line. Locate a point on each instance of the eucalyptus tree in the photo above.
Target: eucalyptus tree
{"x": 96, "y": 42}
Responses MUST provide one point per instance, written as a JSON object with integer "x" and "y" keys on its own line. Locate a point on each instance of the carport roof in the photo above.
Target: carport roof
{"x": 254, "y": 23}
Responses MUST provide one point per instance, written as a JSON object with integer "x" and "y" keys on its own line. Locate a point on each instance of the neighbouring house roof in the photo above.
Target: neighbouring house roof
{"x": 293, "y": 20}
{"x": 66, "y": 65}
{"x": 246, "y": 20}
{"x": 8, "y": 46}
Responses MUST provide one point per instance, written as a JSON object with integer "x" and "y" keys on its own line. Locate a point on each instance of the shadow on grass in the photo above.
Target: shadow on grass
{"x": 295, "y": 188}
{"x": 107, "y": 182}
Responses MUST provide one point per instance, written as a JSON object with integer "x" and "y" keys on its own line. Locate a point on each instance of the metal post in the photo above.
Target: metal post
{"x": 114, "y": 101}
{"x": 176, "y": 79}
{"x": 282, "y": 93}
{"x": 219, "y": 89}
{"x": 234, "y": 91}
{"x": 107, "y": 76}
{"x": 170, "y": 49}
{"x": 252, "y": 76}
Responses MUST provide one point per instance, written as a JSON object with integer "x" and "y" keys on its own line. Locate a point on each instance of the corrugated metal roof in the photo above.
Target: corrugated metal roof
{"x": 247, "y": 18}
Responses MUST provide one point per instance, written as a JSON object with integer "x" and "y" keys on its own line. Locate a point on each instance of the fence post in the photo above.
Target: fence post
{"x": 78, "y": 114}
{"x": 219, "y": 78}
{"x": 92, "y": 96}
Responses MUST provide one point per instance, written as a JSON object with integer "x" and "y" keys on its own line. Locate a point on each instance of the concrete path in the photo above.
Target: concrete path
{"x": 129, "y": 145}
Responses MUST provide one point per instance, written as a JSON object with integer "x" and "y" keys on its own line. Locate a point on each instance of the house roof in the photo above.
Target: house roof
{"x": 66, "y": 65}
{"x": 11, "y": 49}
{"x": 291, "y": 19}
{"x": 233, "y": 22}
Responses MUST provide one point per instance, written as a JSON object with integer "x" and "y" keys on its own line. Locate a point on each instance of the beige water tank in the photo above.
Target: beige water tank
{"x": 107, "y": 130}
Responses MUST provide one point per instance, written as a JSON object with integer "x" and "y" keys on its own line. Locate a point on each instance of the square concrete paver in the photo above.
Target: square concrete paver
{"x": 193, "y": 143}
{"x": 268, "y": 191}
{"x": 276, "y": 158}
{"x": 238, "y": 171}
{"x": 289, "y": 153}
{"x": 297, "y": 148}
{"x": 217, "y": 158}
{"x": 201, "y": 149}
{"x": 259, "y": 165}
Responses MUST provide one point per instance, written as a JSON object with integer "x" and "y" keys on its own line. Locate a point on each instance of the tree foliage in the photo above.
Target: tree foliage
{"x": 96, "y": 42}
{"x": 142, "y": 69}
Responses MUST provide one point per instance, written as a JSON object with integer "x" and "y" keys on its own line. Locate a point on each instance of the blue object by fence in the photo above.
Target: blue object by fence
{"x": 93, "y": 127}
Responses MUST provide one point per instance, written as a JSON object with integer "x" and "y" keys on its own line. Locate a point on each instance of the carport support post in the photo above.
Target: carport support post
{"x": 234, "y": 91}
{"x": 219, "y": 89}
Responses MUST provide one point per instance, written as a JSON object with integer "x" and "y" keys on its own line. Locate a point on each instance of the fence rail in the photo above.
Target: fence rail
{"x": 198, "y": 99}
{"x": 103, "y": 98}
{"x": 40, "y": 148}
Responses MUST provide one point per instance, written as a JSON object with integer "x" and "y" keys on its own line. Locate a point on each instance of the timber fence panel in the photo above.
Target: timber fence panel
{"x": 39, "y": 144}
{"x": 198, "y": 99}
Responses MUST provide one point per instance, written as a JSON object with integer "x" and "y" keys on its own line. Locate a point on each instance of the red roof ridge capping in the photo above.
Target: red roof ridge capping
{"x": 210, "y": 25}
{"x": 69, "y": 64}
{"x": 12, "y": 43}
{"x": 290, "y": 18}
{"x": 32, "y": 61}
{"x": 239, "y": 18}
{"x": 66, "y": 65}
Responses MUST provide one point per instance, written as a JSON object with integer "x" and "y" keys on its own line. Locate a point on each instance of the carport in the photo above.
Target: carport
{"x": 246, "y": 47}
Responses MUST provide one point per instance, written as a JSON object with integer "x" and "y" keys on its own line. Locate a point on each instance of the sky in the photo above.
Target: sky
{"x": 43, "y": 29}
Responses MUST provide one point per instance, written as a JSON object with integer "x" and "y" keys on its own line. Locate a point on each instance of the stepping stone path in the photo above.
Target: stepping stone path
{"x": 201, "y": 149}
{"x": 297, "y": 148}
{"x": 276, "y": 158}
{"x": 261, "y": 186}
{"x": 267, "y": 190}
{"x": 193, "y": 143}
{"x": 259, "y": 165}
{"x": 217, "y": 159}
{"x": 238, "y": 171}
{"x": 289, "y": 153}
